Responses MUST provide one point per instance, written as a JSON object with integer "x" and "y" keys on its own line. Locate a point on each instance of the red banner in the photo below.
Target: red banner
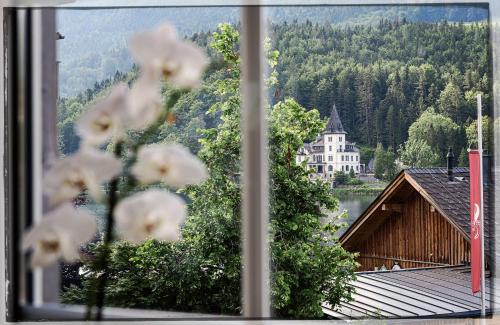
{"x": 475, "y": 219}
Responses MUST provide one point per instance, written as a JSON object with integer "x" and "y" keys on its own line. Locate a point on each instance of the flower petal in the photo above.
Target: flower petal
{"x": 88, "y": 168}
{"x": 172, "y": 164}
{"x": 64, "y": 228}
{"x": 105, "y": 119}
{"x": 147, "y": 48}
{"x": 160, "y": 52}
{"x": 150, "y": 214}
{"x": 144, "y": 103}
{"x": 191, "y": 61}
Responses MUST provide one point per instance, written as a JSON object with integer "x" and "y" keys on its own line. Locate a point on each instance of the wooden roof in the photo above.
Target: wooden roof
{"x": 451, "y": 199}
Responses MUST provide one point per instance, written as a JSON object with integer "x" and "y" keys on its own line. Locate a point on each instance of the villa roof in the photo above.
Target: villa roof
{"x": 334, "y": 123}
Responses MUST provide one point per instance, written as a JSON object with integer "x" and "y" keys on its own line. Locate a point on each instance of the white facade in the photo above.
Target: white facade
{"x": 331, "y": 151}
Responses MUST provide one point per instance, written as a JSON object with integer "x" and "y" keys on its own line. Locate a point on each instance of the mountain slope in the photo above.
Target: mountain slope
{"x": 95, "y": 39}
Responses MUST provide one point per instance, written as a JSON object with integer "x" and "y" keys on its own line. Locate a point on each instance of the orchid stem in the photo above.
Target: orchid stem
{"x": 113, "y": 199}
{"x": 108, "y": 238}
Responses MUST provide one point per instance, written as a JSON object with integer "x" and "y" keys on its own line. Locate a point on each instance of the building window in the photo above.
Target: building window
{"x": 330, "y": 168}
{"x": 329, "y": 139}
{"x": 357, "y": 158}
{"x": 352, "y": 158}
{"x": 340, "y": 148}
{"x": 340, "y": 139}
{"x": 330, "y": 148}
{"x": 342, "y": 157}
{"x": 347, "y": 168}
{"x": 330, "y": 158}
{"x": 342, "y": 168}
{"x": 357, "y": 168}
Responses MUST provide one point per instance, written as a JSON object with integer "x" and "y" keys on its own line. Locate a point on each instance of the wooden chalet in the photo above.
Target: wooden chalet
{"x": 420, "y": 220}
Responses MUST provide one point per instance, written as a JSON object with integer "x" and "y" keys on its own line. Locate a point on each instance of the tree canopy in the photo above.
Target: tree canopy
{"x": 202, "y": 272}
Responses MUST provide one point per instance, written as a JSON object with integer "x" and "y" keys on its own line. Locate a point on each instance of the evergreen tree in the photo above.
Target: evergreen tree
{"x": 379, "y": 161}
{"x": 390, "y": 164}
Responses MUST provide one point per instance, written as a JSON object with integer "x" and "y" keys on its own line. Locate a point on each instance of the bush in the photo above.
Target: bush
{"x": 354, "y": 181}
{"x": 340, "y": 177}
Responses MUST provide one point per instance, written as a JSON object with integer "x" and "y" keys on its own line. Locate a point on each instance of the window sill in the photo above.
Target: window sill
{"x": 59, "y": 312}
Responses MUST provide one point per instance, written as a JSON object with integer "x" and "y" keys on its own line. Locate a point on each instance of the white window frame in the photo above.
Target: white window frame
{"x": 255, "y": 179}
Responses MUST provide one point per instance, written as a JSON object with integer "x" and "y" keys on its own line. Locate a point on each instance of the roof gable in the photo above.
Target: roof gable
{"x": 451, "y": 199}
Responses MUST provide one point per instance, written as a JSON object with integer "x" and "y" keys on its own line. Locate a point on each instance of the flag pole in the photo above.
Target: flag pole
{"x": 480, "y": 150}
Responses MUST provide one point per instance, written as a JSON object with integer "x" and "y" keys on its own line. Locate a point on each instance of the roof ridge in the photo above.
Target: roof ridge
{"x": 430, "y": 170}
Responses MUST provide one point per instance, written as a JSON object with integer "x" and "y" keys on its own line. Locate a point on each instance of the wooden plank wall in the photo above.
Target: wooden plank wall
{"x": 416, "y": 237}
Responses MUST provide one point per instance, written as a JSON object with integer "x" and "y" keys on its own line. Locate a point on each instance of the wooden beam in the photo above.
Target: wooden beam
{"x": 387, "y": 192}
{"x": 393, "y": 207}
{"x": 396, "y": 259}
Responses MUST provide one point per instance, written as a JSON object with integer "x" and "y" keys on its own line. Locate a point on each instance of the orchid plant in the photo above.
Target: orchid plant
{"x": 137, "y": 212}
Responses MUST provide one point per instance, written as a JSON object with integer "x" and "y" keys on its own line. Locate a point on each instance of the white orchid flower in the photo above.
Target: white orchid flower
{"x": 87, "y": 169}
{"x": 160, "y": 52}
{"x": 60, "y": 233}
{"x": 144, "y": 103}
{"x": 153, "y": 214}
{"x": 171, "y": 164}
{"x": 105, "y": 119}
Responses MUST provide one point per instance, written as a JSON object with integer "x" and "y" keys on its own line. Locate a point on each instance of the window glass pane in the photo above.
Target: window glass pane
{"x": 200, "y": 272}
{"x": 394, "y": 87}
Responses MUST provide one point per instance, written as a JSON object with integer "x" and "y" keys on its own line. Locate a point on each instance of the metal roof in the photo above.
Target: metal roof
{"x": 410, "y": 293}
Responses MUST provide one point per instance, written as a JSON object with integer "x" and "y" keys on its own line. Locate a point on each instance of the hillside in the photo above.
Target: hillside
{"x": 381, "y": 77}
{"x": 91, "y": 54}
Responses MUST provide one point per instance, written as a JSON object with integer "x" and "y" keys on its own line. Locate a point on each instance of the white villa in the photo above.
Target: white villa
{"x": 331, "y": 151}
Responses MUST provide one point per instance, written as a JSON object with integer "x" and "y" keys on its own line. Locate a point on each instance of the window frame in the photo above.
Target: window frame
{"x": 254, "y": 137}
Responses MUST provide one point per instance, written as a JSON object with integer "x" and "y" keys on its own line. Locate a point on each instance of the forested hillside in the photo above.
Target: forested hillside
{"x": 90, "y": 54}
{"x": 383, "y": 77}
